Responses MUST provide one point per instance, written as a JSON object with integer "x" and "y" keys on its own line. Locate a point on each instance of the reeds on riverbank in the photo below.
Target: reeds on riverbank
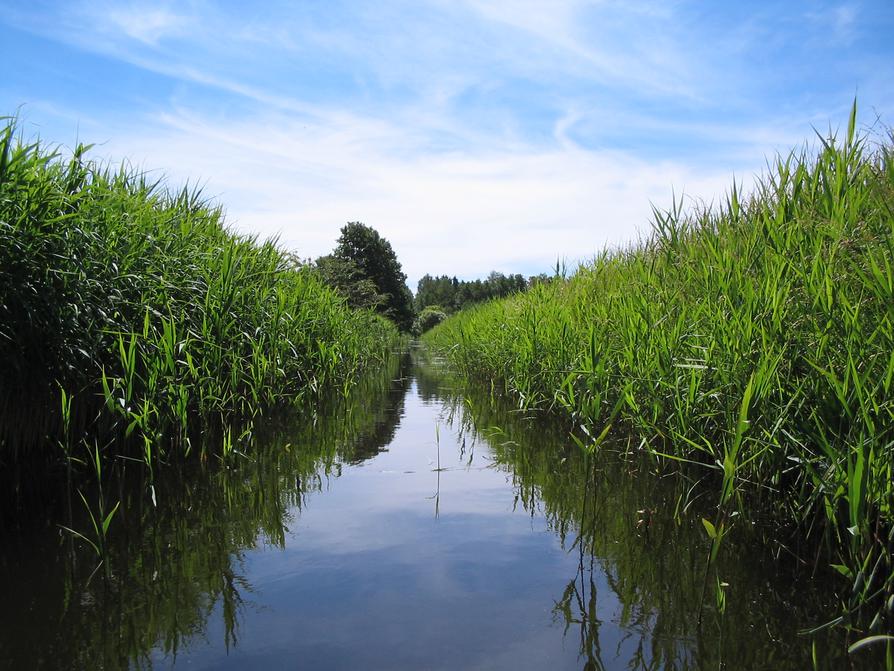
{"x": 131, "y": 310}
{"x": 752, "y": 342}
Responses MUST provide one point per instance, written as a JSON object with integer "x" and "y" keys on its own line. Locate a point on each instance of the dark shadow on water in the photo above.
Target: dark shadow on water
{"x": 171, "y": 566}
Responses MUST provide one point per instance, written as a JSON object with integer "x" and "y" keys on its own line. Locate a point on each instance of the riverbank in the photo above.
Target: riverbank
{"x": 132, "y": 313}
{"x": 750, "y": 344}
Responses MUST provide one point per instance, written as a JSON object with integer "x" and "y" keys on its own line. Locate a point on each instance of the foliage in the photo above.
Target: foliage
{"x": 375, "y": 260}
{"x": 176, "y": 565}
{"x": 348, "y": 280}
{"x": 752, "y": 342}
{"x": 152, "y": 319}
{"x": 430, "y": 317}
{"x": 453, "y": 294}
{"x": 638, "y": 548}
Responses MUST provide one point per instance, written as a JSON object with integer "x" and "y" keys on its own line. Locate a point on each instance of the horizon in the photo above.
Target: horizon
{"x": 474, "y": 136}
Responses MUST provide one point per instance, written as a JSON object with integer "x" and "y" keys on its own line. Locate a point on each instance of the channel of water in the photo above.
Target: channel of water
{"x": 425, "y": 525}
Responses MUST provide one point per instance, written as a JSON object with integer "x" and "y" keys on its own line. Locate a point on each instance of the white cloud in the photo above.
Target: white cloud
{"x": 838, "y": 23}
{"x": 629, "y": 47}
{"x": 514, "y": 209}
{"x": 145, "y": 24}
{"x": 453, "y": 130}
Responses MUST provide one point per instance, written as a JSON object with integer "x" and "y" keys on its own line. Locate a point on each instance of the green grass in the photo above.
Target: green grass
{"x": 130, "y": 310}
{"x": 751, "y": 341}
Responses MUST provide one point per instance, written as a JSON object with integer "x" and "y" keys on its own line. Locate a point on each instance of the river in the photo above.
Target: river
{"x": 423, "y": 525}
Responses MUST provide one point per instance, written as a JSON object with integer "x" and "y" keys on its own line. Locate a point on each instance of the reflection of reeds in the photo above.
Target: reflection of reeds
{"x": 154, "y": 322}
{"x": 621, "y": 523}
{"x": 752, "y": 343}
{"x": 169, "y": 568}
{"x": 437, "y": 495}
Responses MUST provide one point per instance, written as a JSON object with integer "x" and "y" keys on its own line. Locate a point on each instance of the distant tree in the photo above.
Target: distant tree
{"x": 348, "y": 280}
{"x": 541, "y": 278}
{"x": 424, "y": 292}
{"x": 455, "y": 295}
{"x": 428, "y": 318}
{"x": 440, "y": 291}
{"x": 376, "y": 261}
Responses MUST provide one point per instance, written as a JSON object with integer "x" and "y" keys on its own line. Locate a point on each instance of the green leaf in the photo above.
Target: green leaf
{"x": 108, "y": 520}
{"x": 870, "y": 640}
{"x": 844, "y": 570}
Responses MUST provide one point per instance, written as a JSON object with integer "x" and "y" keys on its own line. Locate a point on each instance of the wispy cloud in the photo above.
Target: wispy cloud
{"x": 837, "y": 23}
{"x": 460, "y": 213}
{"x": 620, "y": 44}
{"x": 473, "y": 134}
{"x": 148, "y": 25}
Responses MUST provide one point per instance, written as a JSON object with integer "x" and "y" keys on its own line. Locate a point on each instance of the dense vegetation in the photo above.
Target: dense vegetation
{"x": 637, "y": 546}
{"x": 129, "y": 310}
{"x": 171, "y": 566}
{"x": 365, "y": 270}
{"x": 750, "y": 343}
{"x": 450, "y": 294}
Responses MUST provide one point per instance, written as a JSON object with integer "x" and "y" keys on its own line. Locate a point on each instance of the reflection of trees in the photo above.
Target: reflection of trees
{"x": 168, "y": 568}
{"x": 622, "y": 526}
{"x": 429, "y": 377}
{"x": 387, "y": 413}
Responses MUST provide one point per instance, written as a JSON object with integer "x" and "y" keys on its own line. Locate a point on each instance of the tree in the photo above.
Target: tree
{"x": 428, "y": 318}
{"x": 440, "y": 291}
{"x": 376, "y": 261}
{"x": 455, "y": 295}
{"x": 348, "y": 280}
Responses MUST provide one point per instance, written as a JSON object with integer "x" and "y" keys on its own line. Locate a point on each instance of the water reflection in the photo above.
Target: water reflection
{"x": 424, "y": 524}
{"x": 172, "y": 567}
{"x": 641, "y": 559}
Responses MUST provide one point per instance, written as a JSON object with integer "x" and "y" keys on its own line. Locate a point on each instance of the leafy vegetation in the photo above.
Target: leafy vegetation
{"x": 627, "y": 526}
{"x": 428, "y": 318}
{"x": 751, "y": 343}
{"x": 365, "y": 269}
{"x": 129, "y": 310}
{"x": 450, "y": 294}
{"x": 349, "y": 281}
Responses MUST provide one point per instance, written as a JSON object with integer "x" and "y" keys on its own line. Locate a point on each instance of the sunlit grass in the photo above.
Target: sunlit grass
{"x": 130, "y": 310}
{"x": 751, "y": 341}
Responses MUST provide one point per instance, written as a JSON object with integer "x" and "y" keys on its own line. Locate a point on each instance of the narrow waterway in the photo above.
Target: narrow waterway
{"x": 423, "y": 526}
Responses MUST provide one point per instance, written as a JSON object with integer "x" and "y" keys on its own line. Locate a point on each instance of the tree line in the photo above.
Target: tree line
{"x": 364, "y": 269}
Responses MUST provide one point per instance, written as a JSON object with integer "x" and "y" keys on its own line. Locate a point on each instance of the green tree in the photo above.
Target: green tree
{"x": 376, "y": 261}
{"x": 428, "y": 318}
{"x": 348, "y": 280}
{"x": 440, "y": 291}
{"x": 455, "y": 295}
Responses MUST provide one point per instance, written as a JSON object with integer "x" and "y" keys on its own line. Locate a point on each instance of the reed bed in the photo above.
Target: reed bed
{"x": 751, "y": 343}
{"x": 131, "y": 311}
{"x": 621, "y": 519}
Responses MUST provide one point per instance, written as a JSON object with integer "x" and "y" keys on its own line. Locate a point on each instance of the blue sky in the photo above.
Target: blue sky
{"x": 475, "y": 135}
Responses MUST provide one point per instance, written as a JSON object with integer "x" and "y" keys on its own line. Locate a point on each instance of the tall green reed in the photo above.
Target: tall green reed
{"x": 155, "y": 322}
{"x": 751, "y": 342}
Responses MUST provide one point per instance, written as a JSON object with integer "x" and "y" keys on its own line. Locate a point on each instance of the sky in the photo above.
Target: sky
{"x": 475, "y": 135}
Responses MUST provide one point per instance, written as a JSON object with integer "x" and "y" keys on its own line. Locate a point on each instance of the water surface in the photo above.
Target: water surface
{"x": 423, "y": 526}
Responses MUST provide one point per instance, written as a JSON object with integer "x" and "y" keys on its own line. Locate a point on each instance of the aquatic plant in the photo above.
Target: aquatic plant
{"x": 153, "y": 319}
{"x": 168, "y": 569}
{"x": 619, "y": 518}
{"x": 750, "y": 343}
